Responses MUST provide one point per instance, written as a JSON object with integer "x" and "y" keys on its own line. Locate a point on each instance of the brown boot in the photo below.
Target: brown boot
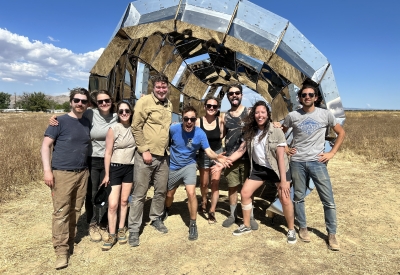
{"x": 332, "y": 242}
{"x": 94, "y": 233}
{"x": 303, "y": 235}
{"x": 61, "y": 261}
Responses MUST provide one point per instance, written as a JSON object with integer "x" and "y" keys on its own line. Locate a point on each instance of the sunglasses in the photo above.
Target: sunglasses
{"x": 209, "y": 106}
{"x": 234, "y": 93}
{"x": 77, "y": 100}
{"x": 192, "y": 119}
{"x": 311, "y": 95}
{"x": 103, "y": 101}
{"x": 121, "y": 111}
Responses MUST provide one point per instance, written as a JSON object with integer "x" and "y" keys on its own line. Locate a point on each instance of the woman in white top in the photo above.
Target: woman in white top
{"x": 118, "y": 164}
{"x": 266, "y": 147}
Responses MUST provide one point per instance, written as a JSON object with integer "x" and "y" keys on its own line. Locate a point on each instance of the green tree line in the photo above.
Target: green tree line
{"x": 36, "y": 101}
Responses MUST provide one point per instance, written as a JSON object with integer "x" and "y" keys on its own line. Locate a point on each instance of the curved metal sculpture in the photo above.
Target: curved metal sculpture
{"x": 203, "y": 45}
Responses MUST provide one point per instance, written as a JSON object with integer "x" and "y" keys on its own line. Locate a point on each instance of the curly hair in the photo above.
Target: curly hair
{"x": 250, "y": 128}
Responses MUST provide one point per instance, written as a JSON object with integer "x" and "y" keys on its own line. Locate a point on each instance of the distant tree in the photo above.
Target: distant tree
{"x": 36, "y": 101}
{"x": 66, "y": 106}
{"x": 5, "y": 100}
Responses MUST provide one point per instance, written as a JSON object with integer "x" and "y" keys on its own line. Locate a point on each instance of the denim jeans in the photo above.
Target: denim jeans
{"x": 318, "y": 172}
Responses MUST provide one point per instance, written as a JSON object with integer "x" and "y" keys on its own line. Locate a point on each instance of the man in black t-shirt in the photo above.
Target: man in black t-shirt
{"x": 66, "y": 172}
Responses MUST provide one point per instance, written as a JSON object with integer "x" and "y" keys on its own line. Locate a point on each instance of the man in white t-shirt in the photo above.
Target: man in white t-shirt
{"x": 309, "y": 159}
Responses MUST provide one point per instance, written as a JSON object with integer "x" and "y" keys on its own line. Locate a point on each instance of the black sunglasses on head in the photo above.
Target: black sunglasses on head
{"x": 192, "y": 119}
{"x": 311, "y": 95}
{"x": 234, "y": 93}
{"x": 77, "y": 100}
{"x": 209, "y": 106}
{"x": 104, "y": 101}
{"x": 121, "y": 111}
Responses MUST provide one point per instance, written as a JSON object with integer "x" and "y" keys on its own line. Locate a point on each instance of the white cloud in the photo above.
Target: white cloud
{"x": 52, "y": 39}
{"x": 27, "y": 61}
{"x": 368, "y": 105}
{"x": 7, "y": 79}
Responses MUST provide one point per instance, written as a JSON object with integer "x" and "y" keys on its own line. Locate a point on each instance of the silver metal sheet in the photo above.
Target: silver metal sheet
{"x": 130, "y": 18}
{"x": 295, "y": 104}
{"x": 155, "y": 10}
{"x": 206, "y": 18}
{"x": 328, "y": 86}
{"x": 256, "y": 25}
{"x": 317, "y": 77}
{"x": 251, "y": 62}
{"x": 336, "y": 107}
{"x": 298, "y": 50}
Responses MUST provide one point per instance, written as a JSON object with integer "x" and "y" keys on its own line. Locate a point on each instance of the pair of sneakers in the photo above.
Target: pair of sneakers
{"x": 112, "y": 239}
{"x": 243, "y": 229}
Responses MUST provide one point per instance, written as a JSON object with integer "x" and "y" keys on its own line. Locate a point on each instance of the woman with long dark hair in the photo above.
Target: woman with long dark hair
{"x": 266, "y": 147}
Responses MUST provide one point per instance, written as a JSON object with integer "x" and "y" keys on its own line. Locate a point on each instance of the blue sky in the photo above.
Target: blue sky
{"x": 51, "y": 46}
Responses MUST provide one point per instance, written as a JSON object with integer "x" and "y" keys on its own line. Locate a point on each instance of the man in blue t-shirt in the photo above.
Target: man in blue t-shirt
{"x": 185, "y": 140}
{"x": 66, "y": 172}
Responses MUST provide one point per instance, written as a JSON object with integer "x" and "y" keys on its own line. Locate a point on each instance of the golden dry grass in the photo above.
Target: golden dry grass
{"x": 366, "y": 194}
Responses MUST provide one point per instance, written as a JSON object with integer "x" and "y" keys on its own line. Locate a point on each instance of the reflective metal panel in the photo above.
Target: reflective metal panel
{"x": 336, "y": 107}
{"x": 263, "y": 88}
{"x": 249, "y": 49}
{"x": 173, "y": 65}
{"x": 276, "y": 83}
{"x": 110, "y": 56}
{"x": 256, "y": 25}
{"x": 163, "y": 56}
{"x": 154, "y": 10}
{"x": 293, "y": 89}
{"x": 249, "y": 61}
{"x": 183, "y": 79}
{"x": 298, "y": 51}
{"x": 328, "y": 86}
{"x": 199, "y": 106}
{"x": 319, "y": 74}
{"x": 279, "y": 108}
{"x": 199, "y": 32}
{"x": 151, "y": 48}
{"x": 97, "y": 83}
{"x": 146, "y": 30}
{"x": 247, "y": 76}
{"x": 174, "y": 97}
{"x": 194, "y": 87}
{"x": 214, "y": 15}
{"x": 286, "y": 70}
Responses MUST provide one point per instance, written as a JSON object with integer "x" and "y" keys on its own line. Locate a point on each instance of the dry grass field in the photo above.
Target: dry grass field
{"x": 365, "y": 175}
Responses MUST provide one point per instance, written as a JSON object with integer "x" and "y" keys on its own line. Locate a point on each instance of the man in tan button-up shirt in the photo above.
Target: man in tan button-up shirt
{"x": 150, "y": 127}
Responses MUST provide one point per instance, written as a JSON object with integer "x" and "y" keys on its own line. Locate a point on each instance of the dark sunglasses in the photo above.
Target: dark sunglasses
{"x": 121, "y": 111}
{"x": 234, "y": 93}
{"x": 192, "y": 119}
{"x": 209, "y": 106}
{"x": 103, "y": 101}
{"x": 311, "y": 95}
{"x": 77, "y": 100}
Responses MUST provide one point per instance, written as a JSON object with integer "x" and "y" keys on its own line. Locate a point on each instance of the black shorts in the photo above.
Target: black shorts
{"x": 120, "y": 173}
{"x": 262, "y": 173}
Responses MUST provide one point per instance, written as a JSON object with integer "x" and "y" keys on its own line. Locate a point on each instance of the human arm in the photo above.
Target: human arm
{"x": 107, "y": 156}
{"x": 283, "y": 186}
{"x": 223, "y": 128}
{"x": 45, "y": 152}
{"x": 324, "y": 157}
{"x": 238, "y": 153}
{"x": 218, "y": 157}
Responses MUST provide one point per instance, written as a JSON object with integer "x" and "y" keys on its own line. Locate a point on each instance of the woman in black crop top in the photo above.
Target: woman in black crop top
{"x": 213, "y": 127}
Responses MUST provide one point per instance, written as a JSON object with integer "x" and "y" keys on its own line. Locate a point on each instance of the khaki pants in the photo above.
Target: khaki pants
{"x": 68, "y": 195}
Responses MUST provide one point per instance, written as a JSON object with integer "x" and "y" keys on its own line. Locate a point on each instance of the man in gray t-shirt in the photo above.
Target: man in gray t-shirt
{"x": 308, "y": 159}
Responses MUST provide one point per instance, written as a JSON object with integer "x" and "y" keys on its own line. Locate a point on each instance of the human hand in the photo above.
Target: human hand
{"x": 53, "y": 120}
{"x": 324, "y": 157}
{"x": 49, "y": 178}
{"x": 284, "y": 189}
{"x": 105, "y": 181}
{"x": 277, "y": 124}
{"x": 226, "y": 162}
{"x": 217, "y": 168}
{"x": 291, "y": 151}
{"x": 147, "y": 158}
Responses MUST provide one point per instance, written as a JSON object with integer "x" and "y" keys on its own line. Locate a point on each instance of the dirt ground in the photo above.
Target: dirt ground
{"x": 367, "y": 198}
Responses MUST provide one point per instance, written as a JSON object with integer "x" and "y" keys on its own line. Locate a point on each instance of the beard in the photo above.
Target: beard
{"x": 235, "y": 102}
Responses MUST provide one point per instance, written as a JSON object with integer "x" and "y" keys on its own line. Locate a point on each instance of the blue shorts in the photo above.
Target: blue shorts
{"x": 203, "y": 161}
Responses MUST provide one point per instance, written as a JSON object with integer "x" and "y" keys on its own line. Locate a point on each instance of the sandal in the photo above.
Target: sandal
{"x": 211, "y": 218}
